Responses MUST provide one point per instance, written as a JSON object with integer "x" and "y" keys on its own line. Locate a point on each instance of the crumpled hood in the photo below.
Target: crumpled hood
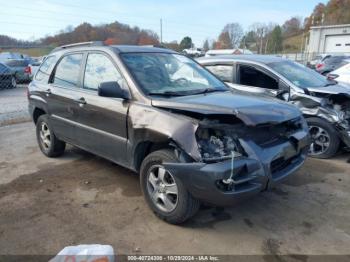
{"x": 250, "y": 109}
{"x": 333, "y": 89}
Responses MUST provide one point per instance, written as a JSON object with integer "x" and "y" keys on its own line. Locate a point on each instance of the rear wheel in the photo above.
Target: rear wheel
{"x": 165, "y": 194}
{"x": 13, "y": 82}
{"x": 49, "y": 144}
{"x": 324, "y": 139}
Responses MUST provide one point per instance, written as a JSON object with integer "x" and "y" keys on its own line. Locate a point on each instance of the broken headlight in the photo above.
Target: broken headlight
{"x": 217, "y": 144}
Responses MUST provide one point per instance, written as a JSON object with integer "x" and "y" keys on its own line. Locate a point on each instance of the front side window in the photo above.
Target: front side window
{"x": 223, "y": 72}
{"x": 99, "y": 68}
{"x": 299, "y": 75}
{"x": 67, "y": 71}
{"x": 172, "y": 74}
{"x": 250, "y": 76}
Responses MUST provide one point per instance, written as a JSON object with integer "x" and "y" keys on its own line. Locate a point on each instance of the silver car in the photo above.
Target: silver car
{"x": 324, "y": 103}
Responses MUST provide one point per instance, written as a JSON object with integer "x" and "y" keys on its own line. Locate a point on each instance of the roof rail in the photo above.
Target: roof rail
{"x": 156, "y": 45}
{"x": 91, "y": 43}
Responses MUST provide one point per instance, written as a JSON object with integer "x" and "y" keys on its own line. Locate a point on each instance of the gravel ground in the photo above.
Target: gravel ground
{"x": 47, "y": 204}
{"x": 13, "y": 106}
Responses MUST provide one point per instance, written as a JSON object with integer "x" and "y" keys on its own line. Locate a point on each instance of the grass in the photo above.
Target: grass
{"x": 34, "y": 52}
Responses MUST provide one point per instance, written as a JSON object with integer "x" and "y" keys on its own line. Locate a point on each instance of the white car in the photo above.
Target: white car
{"x": 33, "y": 67}
{"x": 196, "y": 52}
{"x": 342, "y": 74}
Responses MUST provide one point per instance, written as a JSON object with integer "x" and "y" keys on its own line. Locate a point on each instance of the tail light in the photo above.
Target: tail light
{"x": 319, "y": 66}
{"x": 28, "y": 70}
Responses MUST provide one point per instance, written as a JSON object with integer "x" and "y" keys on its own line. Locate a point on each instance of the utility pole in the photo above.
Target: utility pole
{"x": 161, "y": 31}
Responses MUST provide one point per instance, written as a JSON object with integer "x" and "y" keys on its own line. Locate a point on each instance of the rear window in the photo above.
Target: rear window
{"x": 334, "y": 59}
{"x": 17, "y": 63}
{"x": 44, "y": 71}
{"x": 3, "y": 69}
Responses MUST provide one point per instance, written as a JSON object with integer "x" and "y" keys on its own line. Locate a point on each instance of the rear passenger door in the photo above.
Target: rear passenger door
{"x": 61, "y": 96}
{"x": 102, "y": 120}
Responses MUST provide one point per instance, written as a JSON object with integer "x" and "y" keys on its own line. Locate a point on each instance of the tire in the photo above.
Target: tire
{"x": 315, "y": 126}
{"x": 13, "y": 82}
{"x": 184, "y": 208}
{"x": 49, "y": 144}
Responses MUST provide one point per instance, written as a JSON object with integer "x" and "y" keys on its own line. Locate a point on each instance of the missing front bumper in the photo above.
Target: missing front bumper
{"x": 264, "y": 168}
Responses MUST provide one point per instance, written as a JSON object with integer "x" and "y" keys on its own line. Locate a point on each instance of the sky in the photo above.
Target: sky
{"x": 199, "y": 19}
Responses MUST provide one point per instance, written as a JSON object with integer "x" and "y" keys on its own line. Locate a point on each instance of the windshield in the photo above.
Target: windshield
{"x": 300, "y": 75}
{"x": 170, "y": 74}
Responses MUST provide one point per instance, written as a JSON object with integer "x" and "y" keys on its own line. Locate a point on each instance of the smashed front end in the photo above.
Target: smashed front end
{"x": 239, "y": 160}
{"x": 335, "y": 108}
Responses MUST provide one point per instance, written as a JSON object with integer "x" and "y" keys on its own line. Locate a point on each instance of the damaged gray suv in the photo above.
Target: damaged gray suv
{"x": 164, "y": 116}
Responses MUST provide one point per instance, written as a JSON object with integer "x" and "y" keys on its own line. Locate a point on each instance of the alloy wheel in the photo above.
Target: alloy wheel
{"x": 45, "y": 136}
{"x": 320, "y": 140}
{"x": 162, "y": 188}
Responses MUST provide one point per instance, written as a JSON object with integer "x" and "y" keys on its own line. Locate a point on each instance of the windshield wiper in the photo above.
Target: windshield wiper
{"x": 167, "y": 93}
{"x": 208, "y": 90}
{"x": 186, "y": 93}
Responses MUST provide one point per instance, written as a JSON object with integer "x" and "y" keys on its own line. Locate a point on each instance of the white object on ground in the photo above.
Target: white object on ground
{"x": 86, "y": 253}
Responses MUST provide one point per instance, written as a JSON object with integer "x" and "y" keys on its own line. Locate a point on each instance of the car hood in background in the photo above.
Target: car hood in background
{"x": 332, "y": 89}
{"x": 250, "y": 109}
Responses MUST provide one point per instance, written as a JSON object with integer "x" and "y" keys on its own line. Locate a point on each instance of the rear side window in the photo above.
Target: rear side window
{"x": 45, "y": 69}
{"x": 100, "y": 68}
{"x": 68, "y": 70}
{"x": 223, "y": 72}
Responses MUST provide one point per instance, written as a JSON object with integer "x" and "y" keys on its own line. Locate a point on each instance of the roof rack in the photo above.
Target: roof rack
{"x": 156, "y": 45}
{"x": 91, "y": 43}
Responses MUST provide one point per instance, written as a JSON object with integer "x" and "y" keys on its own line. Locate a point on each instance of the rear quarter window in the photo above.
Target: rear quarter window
{"x": 223, "y": 72}
{"x": 45, "y": 69}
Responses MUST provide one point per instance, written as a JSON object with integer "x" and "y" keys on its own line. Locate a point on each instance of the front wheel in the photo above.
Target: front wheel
{"x": 324, "y": 139}
{"x": 165, "y": 194}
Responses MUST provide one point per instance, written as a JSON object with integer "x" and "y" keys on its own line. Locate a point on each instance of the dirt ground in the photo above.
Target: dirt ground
{"x": 47, "y": 204}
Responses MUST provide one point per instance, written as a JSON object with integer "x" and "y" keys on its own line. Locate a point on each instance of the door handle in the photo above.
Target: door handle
{"x": 81, "y": 101}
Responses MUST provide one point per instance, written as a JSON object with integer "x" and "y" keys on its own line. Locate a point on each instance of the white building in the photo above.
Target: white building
{"x": 330, "y": 39}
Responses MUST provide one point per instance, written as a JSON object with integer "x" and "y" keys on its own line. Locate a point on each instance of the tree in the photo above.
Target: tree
{"x": 275, "y": 42}
{"x": 235, "y": 33}
{"x": 292, "y": 26}
{"x": 224, "y": 41}
{"x": 206, "y": 45}
{"x": 186, "y": 43}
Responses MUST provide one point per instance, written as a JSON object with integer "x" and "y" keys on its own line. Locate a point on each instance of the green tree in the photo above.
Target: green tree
{"x": 186, "y": 43}
{"x": 275, "y": 42}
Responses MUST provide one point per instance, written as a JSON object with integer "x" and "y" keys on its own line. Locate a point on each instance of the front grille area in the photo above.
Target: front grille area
{"x": 268, "y": 135}
{"x": 280, "y": 164}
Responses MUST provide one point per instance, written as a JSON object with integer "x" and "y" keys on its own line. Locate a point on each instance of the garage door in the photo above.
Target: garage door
{"x": 337, "y": 44}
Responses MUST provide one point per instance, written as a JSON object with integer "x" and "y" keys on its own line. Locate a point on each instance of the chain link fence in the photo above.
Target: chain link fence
{"x": 18, "y": 64}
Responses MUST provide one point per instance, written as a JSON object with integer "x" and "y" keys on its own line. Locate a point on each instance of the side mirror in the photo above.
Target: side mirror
{"x": 283, "y": 91}
{"x": 112, "y": 89}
